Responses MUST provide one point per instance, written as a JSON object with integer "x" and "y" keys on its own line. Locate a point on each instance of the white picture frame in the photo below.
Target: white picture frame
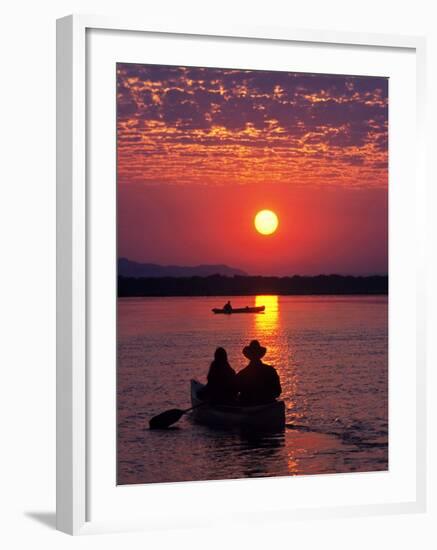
{"x": 73, "y": 299}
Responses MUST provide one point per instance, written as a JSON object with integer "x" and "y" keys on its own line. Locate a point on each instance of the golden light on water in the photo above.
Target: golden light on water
{"x": 267, "y": 322}
{"x": 270, "y": 333}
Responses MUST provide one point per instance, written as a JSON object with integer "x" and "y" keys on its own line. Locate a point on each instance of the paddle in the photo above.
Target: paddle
{"x": 167, "y": 418}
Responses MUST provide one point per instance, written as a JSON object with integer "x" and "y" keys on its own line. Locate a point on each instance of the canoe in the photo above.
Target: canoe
{"x": 257, "y": 309}
{"x": 262, "y": 417}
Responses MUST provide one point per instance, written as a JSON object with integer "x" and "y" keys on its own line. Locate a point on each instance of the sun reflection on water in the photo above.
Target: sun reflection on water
{"x": 276, "y": 338}
{"x": 267, "y": 327}
{"x": 268, "y": 322}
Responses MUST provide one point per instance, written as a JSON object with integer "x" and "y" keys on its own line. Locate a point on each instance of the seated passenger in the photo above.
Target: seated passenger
{"x": 227, "y": 308}
{"x": 258, "y": 383}
{"x": 220, "y": 388}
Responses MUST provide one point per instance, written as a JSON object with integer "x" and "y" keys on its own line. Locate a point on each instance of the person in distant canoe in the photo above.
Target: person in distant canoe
{"x": 257, "y": 383}
{"x": 227, "y": 308}
{"x": 221, "y": 388}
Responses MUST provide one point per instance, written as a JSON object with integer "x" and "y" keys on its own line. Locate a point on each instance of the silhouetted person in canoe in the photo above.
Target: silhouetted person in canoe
{"x": 221, "y": 387}
{"x": 258, "y": 383}
{"x": 227, "y": 308}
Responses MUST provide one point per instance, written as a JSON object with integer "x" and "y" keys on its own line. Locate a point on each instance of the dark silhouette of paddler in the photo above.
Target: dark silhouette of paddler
{"x": 221, "y": 387}
{"x": 257, "y": 383}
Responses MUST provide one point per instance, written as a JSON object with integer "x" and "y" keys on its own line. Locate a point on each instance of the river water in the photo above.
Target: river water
{"x": 331, "y": 353}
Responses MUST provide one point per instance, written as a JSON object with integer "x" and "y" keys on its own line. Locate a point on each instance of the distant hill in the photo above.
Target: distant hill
{"x": 128, "y": 268}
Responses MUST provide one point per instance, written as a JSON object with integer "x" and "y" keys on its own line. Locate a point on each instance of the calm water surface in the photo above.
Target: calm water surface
{"x": 331, "y": 355}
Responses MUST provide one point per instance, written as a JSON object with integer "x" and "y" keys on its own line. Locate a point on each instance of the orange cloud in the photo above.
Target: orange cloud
{"x": 193, "y": 126}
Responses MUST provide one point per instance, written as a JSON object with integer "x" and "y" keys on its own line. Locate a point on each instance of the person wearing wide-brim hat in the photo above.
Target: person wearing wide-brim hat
{"x": 254, "y": 350}
{"x": 257, "y": 383}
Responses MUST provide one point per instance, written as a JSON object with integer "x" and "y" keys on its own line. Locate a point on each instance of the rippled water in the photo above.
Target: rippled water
{"x": 331, "y": 355}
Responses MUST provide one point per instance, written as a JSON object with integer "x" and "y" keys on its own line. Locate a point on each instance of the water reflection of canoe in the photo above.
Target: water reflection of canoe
{"x": 264, "y": 417}
{"x": 247, "y": 309}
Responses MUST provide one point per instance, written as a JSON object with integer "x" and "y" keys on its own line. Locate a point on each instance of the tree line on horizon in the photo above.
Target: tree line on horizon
{"x": 219, "y": 285}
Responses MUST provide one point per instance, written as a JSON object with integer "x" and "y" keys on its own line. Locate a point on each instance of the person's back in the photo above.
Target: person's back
{"x": 221, "y": 388}
{"x": 258, "y": 383}
{"x": 227, "y": 307}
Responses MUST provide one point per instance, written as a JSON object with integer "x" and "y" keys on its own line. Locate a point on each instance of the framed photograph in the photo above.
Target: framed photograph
{"x": 240, "y": 275}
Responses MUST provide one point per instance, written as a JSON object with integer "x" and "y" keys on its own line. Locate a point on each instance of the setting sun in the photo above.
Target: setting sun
{"x": 266, "y": 222}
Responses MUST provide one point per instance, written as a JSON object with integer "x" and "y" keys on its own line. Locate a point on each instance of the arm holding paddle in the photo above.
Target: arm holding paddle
{"x": 167, "y": 418}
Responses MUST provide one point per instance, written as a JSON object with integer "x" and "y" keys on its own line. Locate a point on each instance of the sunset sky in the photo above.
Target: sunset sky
{"x": 201, "y": 151}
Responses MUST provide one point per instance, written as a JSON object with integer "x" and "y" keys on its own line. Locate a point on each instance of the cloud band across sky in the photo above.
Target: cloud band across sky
{"x": 181, "y": 125}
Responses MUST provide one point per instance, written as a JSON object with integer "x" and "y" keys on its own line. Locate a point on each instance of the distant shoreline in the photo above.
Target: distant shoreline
{"x": 218, "y": 285}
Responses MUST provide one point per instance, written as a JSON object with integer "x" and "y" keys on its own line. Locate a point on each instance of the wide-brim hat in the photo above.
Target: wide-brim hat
{"x": 254, "y": 350}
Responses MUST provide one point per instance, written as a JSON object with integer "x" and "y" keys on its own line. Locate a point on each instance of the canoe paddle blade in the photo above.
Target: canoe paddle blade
{"x": 165, "y": 419}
